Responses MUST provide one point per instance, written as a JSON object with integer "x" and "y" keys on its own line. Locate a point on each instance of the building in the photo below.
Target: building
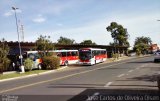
{"x": 27, "y": 46}
{"x": 154, "y": 48}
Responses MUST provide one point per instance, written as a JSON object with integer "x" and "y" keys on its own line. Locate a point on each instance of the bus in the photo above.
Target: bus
{"x": 91, "y": 56}
{"x": 67, "y": 56}
{"x": 35, "y": 56}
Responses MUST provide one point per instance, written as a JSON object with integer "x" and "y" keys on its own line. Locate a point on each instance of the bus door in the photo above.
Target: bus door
{"x": 75, "y": 55}
{"x": 63, "y": 57}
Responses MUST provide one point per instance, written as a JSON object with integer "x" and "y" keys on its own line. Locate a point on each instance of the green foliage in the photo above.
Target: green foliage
{"x": 119, "y": 34}
{"x": 65, "y": 41}
{"x": 4, "y": 50}
{"x": 28, "y": 64}
{"x": 51, "y": 62}
{"x": 145, "y": 40}
{"x": 142, "y": 44}
{"x": 44, "y": 44}
{"x": 112, "y": 44}
{"x": 87, "y": 42}
{"x": 115, "y": 56}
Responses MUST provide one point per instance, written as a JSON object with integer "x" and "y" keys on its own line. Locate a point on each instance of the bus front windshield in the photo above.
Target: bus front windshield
{"x": 85, "y": 55}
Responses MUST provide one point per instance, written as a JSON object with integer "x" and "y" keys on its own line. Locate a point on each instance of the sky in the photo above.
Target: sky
{"x": 79, "y": 19}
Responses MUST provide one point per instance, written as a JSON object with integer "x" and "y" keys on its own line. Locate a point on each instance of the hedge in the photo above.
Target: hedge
{"x": 50, "y": 62}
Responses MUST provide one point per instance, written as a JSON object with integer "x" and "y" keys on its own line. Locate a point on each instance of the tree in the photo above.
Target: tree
{"x": 65, "y": 41}
{"x": 87, "y": 42}
{"x": 4, "y": 50}
{"x": 145, "y": 40}
{"x": 119, "y": 34}
{"x": 142, "y": 44}
{"x": 44, "y": 44}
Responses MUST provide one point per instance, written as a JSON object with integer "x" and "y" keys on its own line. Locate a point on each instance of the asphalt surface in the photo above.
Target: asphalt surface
{"x": 101, "y": 82}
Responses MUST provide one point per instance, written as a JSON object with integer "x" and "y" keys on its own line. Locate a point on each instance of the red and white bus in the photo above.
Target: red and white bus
{"x": 67, "y": 56}
{"x": 91, "y": 56}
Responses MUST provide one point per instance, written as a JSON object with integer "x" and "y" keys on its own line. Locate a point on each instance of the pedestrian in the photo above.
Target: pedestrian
{"x": 13, "y": 66}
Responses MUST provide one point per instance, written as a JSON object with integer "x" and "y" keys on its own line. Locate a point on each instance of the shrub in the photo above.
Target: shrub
{"x": 1, "y": 68}
{"x": 5, "y": 64}
{"x": 51, "y": 62}
{"x": 4, "y": 50}
{"x": 28, "y": 64}
{"x": 115, "y": 56}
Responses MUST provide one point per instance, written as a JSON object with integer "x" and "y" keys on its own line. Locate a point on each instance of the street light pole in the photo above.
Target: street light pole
{"x": 20, "y": 51}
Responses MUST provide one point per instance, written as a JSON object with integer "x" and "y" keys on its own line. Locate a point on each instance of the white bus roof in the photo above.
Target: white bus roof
{"x": 64, "y": 51}
{"x": 93, "y": 49}
{"x": 31, "y": 52}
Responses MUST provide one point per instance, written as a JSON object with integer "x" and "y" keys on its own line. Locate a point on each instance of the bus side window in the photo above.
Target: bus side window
{"x": 69, "y": 54}
{"x": 31, "y": 56}
{"x": 74, "y": 54}
{"x": 37, "y": 56}
{"x": 96, "y": 52}
{"x": 93, "y": 54}
{"x": 63, "y": 54}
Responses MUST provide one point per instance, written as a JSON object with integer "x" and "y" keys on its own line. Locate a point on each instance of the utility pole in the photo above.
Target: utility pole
{"x": 20, "y": 51}
{"x": 22, "y": 31}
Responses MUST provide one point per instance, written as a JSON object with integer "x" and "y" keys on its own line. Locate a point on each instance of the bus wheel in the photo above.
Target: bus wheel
{"x": 102, "y": 60}
{"x": 39, "y": 66}
{"x": 66, "y": 63}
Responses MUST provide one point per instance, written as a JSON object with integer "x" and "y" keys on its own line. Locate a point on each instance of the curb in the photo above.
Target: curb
{"x": 32, "y": 75}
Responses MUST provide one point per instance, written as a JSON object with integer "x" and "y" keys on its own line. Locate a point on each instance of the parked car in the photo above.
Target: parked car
{"x": 157, "y": 56}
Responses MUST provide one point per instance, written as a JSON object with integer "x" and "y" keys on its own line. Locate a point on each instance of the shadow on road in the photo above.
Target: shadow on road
{"x": 113, "y": 68}
{"x": 142, "y": 62}
{"x": 148, "y": 78}
{"x": 76, "y": 85}
{"x": 134, "y": 86}
{"x": 117, "y": 95}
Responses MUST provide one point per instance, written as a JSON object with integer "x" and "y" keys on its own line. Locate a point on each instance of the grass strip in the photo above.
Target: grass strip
{"x": 12, "y": 75}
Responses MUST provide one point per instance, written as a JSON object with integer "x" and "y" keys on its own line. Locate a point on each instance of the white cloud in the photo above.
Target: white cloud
{"x": 39, "y": 19}
{"x": 7, "y": 14}
{"x": 18, "y": 11}
{"x": 11, "y": 12}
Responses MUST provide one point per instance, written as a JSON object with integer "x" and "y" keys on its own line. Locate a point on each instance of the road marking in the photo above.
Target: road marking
{"x": 59, "y": 78}
{"x": 108, "y": 84}
{"x": 130, "y": 71}
{"x": 120, "y": 75}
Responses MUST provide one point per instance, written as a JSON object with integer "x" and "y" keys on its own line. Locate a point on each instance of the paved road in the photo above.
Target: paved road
{"x": 84, "y": 83}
